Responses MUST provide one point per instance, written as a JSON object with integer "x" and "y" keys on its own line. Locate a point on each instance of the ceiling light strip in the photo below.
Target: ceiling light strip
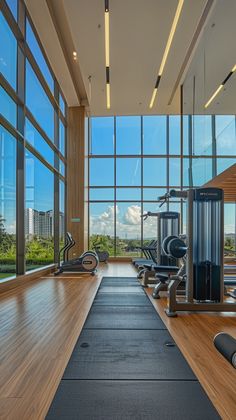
{"x": 167, "y": 49}
{"x": 220, "y": 87}
{"x": 107, "y": 53}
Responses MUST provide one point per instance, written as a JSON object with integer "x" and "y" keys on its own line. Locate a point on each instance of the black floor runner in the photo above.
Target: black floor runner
{"x": 124, "y": 317}
{"x": 125, "y": 364}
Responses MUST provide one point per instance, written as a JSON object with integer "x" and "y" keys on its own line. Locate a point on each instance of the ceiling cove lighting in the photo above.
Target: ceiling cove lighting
{"x": 107, "y": 53}
{"x": 220, "y": 87}
{"x": 167, "y": 49}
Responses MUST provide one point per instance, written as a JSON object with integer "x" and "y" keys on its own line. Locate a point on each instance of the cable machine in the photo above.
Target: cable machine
{"x": 203, "y": 265}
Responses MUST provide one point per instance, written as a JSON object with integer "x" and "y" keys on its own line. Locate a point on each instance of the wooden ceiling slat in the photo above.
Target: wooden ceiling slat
{"x": 227, "y": 181}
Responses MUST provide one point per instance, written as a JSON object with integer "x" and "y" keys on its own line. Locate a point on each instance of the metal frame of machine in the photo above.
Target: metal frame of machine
{"x": 168, "y": 223}
{"x": 205, "y": 255}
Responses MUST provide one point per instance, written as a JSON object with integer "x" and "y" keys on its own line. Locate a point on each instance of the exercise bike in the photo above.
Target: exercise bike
{"x": 86, "y": 263}
{"x": 102, "y": 254}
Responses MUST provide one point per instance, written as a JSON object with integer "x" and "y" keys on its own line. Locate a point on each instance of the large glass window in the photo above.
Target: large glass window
{"x": 230, "y": 231}
{"x": 201, "y": 135}
{"x": 154, "y": 172}
{"x": 7, "y": 204}
{"x": 141, "y": 178}
{"x": 101, "y": 226}
{"x": 61, "y": 213}
{"x": 62, "y": 104}
{"x": 101, "y": 172}
{"x": 30, "y": 121}
{"x": 174, "y": 135}
{"x": 224, "y": 163}
{"x": 128, "y": 135}
{"x": 225, "y": 134}
{"x": 102, "y": 136}
{"x": 7, "y": 107}
{"x": 196, "y": 171}
{"x": 38, "y": 55}
{"x": 33, "y": 137}
{"x": 8, "y": 52}
{"x": 128, "y": 171}
{"x": 128, "y": 228}
{"x": 38, "y": 103}
{"x": 186, "y": 134}
{"x": 128, "y": 194}
{"x": 154, "y": 135}
{"x": 152, "y": 194}
{"x": 101, "y": 194}
{"x": 39, "y": 213}
{"x": 62, "y": 138}
{"x": 13, "y": 6}
{"x": 174, "y": 172}
{"x": 61, "y": 167}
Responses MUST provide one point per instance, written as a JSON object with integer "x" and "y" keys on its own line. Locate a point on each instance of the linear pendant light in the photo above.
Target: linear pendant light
{"x": 107, "y": 53}
{"x": 167, "y": 49}
{"x": 220, "y": 87}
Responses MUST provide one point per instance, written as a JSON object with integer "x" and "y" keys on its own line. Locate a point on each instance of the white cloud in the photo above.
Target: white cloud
{"x": 104, "y": 222}
{"x": 128, "y": 223}
{"x": 132, "y": 215}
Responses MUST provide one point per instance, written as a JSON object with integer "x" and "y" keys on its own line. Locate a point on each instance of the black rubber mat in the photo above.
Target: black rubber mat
{"x": 122, "y": 354}
{"x": 121, "y": 299}
{"x": 123, "y": 280}
{"x": 127, "y": 400}
{"x": 120, "y": 281}
{"x": 121, "y": 289}
{"x": 124, "y": 317}
{"x": 122, "y": 369}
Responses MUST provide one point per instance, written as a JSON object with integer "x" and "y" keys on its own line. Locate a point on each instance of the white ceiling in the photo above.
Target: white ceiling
{"x": 139, "y": 31}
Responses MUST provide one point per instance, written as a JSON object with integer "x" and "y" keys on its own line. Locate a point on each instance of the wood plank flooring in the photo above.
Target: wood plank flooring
{"x": 41, "y": 321}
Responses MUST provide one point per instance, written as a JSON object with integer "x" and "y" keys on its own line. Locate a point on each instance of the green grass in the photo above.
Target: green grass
{"x": 5, "y": 275}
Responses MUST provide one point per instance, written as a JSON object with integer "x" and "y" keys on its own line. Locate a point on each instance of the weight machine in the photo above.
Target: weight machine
{"x": 203, "y": 266}
{"x": 168, "y": 223}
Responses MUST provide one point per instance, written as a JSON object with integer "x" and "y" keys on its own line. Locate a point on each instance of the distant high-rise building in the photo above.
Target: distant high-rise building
{"x": 41, "y": 223}
{"x": 61, "y": 224}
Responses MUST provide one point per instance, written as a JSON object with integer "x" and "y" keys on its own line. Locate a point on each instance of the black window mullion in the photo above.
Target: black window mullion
{"x": 115, "y": 168}
{"x": 214, "y": 150}
{"x": 20, "y": 165}
{"x": 56, "y": 209}
{"x": 167, "y": 159}
{"x": 142, "y": 135}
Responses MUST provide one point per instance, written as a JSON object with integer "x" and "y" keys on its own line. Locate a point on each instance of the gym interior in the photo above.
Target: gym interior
{"x": 117, "y": 209}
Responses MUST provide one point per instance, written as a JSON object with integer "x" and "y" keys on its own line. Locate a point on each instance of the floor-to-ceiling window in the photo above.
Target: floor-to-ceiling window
{"x": 133, "y": 160}
{"x": 32, "y": 147}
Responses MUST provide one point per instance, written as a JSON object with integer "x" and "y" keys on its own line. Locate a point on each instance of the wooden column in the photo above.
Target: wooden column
{"x": 76, "y": 211}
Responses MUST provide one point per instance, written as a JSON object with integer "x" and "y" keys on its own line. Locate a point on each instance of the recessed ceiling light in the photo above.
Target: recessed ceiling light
{"x": 167, "y": 49}
{"x": 107, "y": 53}
{"x": 74, "y": 55}
{"x": 220, "y": 87}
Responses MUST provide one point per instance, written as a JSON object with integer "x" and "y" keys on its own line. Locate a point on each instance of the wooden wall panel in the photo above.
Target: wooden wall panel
{"x": 75, "y": 177}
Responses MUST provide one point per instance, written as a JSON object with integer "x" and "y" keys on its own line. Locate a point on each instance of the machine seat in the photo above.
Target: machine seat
{"x": 165, "y": 268}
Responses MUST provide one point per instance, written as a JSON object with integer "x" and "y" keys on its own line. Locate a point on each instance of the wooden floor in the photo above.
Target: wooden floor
{"x": 41, "y": 321}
